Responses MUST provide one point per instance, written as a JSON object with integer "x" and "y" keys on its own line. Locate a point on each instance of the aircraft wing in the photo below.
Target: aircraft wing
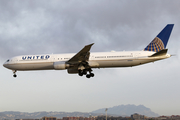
{"x": 81, "y": 56}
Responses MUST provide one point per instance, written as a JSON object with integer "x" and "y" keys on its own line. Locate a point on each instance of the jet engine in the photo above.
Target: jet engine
{"x": 93, "y": 64}
{"x": 60, "y": 65}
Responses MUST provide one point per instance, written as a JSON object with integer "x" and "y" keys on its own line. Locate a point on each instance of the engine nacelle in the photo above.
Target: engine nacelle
{"x": 72, "y": 71}
{"x": 60, "y": 65}
{"x": 93, "y": 64}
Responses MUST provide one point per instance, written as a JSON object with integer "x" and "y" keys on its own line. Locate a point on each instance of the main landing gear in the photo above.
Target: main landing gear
{"x": 84, "y": 72}
{"x": 14, "y": 73}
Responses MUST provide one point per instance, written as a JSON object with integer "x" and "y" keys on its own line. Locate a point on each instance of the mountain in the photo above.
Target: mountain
{"x": 128, "y": 110}
{"x": 121, "y": 110}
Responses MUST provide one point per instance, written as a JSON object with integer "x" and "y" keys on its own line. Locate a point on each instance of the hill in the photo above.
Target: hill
{"x": 127, "y": 110}
{"x": 121, "y": 110}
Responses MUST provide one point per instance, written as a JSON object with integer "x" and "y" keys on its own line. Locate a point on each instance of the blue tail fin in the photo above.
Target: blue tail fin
{"x": 160, "y": 41}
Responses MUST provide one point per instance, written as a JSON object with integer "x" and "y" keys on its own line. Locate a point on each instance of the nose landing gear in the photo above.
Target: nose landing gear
{"x": 14, "y": 73}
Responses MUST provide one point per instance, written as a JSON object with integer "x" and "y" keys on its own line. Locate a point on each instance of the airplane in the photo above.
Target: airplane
{"x": 81, "y": 63}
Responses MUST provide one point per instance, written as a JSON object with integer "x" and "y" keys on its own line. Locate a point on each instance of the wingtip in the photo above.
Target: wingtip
{"x": 90, "y": 44}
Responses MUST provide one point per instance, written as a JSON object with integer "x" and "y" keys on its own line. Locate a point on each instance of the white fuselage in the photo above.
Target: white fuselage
{"x": 96, "y": 60}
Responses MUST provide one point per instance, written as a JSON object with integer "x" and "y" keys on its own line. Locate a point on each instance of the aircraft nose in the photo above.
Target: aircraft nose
{"x": 5, "y": 65}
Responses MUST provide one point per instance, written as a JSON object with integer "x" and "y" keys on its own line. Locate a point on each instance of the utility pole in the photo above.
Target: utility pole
{"x": 106, "y": 113}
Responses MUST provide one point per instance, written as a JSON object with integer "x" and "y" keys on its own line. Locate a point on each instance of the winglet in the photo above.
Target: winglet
{"x": 160, "y": 41}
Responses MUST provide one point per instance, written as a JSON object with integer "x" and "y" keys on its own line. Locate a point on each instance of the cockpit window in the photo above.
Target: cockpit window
{"x": 7, "y": 60}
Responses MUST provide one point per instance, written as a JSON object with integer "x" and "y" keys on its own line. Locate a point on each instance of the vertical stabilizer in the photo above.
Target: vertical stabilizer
{"x": 160, "y": 41}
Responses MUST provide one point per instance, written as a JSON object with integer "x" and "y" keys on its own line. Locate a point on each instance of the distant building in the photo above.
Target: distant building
{"x": 112, "y": 118}
{"x": 26, "y": 119}
{"x": 175, "y": 117}
{"x": 49, "y": 118}
{"x": 78, "y": 118}
{"x": 162, "y": 118}
{"x": 138, "y": 117}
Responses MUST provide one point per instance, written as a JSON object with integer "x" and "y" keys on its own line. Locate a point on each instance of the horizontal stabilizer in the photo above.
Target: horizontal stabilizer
{"x": 160, "y": 53}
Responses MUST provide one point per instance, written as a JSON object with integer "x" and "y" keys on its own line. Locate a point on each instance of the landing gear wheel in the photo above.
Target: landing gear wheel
{"x": 84, "y": 72}
{"x": 14, "y": 75}
{"x": 92, "y": 74}
{"x": 88, "y": 76}
{"x": 80, "y": 73}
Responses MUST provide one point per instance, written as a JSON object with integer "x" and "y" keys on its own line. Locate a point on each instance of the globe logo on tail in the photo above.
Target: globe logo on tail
{"x": 156, "y": 45}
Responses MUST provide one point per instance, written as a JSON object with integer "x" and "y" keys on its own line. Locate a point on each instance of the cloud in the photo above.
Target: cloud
{"x": 37, "y": 27}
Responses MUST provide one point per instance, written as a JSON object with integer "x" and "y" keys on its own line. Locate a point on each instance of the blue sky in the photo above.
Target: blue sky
{"x": 42, "y": 26}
